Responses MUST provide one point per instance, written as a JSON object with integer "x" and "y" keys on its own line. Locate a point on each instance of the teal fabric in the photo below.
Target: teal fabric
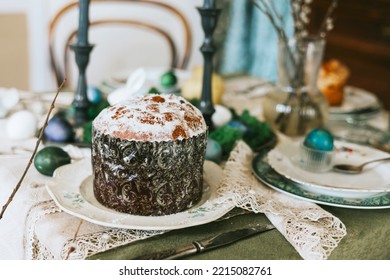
{"x": 250, "y": 44}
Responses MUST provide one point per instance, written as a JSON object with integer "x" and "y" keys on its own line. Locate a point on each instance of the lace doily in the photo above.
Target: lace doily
{"x": 91, "y": 240}
{"x": 312, "y": 231}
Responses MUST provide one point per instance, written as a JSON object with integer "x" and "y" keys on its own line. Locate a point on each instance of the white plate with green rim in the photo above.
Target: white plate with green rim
{"x": 267, "y": 175}
{"x": 373, "y": 181}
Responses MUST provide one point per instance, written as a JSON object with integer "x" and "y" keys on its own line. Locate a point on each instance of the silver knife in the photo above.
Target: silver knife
{"x": 219, "y": 240}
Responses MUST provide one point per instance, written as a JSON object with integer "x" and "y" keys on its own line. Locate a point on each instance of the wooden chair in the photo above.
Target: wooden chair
{"x": 60, "y": 64}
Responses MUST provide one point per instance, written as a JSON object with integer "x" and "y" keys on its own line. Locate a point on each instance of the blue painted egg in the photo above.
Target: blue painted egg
{"x": 49, "y": 159}
{"x": 94, "y": 95}
{"x": 213, "y": 151}
{"x": 239, "y": 126}
{"x": 319, "y": 139}
{"x": 59, "y": 130}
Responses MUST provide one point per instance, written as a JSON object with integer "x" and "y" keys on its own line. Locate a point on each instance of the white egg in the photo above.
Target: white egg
{"x": 9, "y": 97}
{"x": 221, "y": 116}
{"x": 21, "y": 125}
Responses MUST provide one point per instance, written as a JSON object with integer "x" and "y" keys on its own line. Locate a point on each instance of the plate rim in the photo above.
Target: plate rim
{"x": 376, "y": 105}
{"x": 315, "y": 198}
{"x": 56, "y": 187}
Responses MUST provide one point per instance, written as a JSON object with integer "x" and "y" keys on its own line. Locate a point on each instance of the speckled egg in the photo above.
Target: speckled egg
{"x": 213, "y": 151}
{"x": 59, "y": 129}
{"x": 49, "y": 159}
{"x": 319, "y": 139}
{"x": 21, "y": 125}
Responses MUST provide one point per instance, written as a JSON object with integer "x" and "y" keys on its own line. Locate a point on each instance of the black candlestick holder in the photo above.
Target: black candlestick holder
{"x": 209, "y": 16}
{"x": 82, "y": 51}
{"x": 81, "y": 103}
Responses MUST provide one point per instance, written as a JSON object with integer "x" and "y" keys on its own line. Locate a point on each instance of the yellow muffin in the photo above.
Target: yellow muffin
{"x": 332, "y": 78}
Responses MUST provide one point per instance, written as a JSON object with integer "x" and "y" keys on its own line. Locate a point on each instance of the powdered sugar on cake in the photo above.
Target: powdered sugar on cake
{"x": 151, "y": 117}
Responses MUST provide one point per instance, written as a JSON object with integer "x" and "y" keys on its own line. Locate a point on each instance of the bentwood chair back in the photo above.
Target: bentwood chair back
{"x": 171, "y": 43}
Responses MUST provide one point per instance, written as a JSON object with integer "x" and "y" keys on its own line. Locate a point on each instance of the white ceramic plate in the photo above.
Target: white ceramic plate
{"x": 374, "y": 181}
{"x": 356, "y": 100}
{"x": 72, "y": 191}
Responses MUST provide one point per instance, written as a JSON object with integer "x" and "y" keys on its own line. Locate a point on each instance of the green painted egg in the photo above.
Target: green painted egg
{"x": 168, "y": 79}
{"x": 49, "y": 159}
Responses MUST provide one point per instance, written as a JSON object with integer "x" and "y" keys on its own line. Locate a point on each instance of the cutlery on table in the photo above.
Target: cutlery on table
{"x": 354, "y": 169}
{"x": 199, "y": 246}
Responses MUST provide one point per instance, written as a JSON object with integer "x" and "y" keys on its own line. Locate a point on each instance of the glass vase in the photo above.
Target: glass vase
{"x": 296, "y": 105}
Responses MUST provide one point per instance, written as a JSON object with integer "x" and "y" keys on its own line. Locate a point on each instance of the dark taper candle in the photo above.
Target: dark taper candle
{"x": 209, "y": 4}
{"x": 82, "y": 33}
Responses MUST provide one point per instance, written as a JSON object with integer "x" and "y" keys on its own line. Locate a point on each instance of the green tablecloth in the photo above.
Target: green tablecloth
{"x": 368, "y": 237}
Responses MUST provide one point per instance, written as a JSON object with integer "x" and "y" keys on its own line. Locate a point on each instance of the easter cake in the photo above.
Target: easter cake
{"x": 148, "y": 154}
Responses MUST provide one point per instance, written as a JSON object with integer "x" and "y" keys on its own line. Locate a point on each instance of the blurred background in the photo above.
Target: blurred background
{"x": 360, "y": 39}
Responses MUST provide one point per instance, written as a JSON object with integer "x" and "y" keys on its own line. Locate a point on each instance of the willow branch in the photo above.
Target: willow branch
{"x": 267, "y": 11}
{"x": 322, "y": 30}
{"x": 33, "y": 154}
{"x": 73, "y": 248}
{"x": 277, "y": 14}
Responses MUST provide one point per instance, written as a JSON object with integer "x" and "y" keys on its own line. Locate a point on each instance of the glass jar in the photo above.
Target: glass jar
{"x": 296, "y": 105}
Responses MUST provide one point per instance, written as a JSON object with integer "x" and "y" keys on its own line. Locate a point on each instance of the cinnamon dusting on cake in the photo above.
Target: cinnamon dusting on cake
{"x": 120, "y": 112}
{"x": 179, "y": 131}
{"x": 158, "y": 99}
{"x": 153, "y": 108}
{"x": 168, "y": 116}
{"x": 147, "y": 118}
